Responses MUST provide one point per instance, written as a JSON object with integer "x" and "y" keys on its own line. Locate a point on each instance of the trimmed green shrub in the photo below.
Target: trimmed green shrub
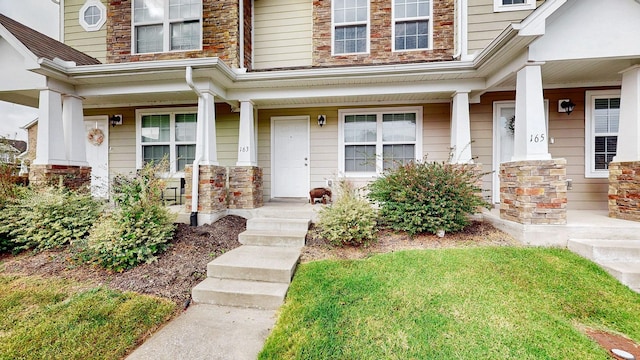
{"x": 48, "y": 218}
{"x": 425, "y": 196}
{"x": 137, "y": 229}
{"x": 349, "y": 220}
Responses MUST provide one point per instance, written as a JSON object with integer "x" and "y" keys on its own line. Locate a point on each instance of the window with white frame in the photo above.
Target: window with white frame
{"x": 601, "y": 131}
{"x": 166, "y": 25}
{"x": 92, "y": 15}
{"x": 350, "y": 26}
{"x": 170, "y": 133}
{"x": 412, "y": 23}
{"x": 374, "y": 140}
{"x": 513, "y": 5}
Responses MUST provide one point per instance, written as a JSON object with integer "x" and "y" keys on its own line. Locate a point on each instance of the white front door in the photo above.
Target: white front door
{"x": 290, "y": 156}
{"x": 97, "y": 145}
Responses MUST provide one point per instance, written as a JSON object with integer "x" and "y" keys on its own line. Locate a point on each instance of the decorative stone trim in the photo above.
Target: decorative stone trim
{"x": 534, "y": 191}
{"x": 212, "y": 188}
{"x": 624, "y": 190}
{"x": 72, "y": 177}
{"x": 245, "y": 187}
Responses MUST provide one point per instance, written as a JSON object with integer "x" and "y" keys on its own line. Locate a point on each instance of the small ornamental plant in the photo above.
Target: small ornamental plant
{"x": 427, "y": 197}
{"x": 350, "y": 220}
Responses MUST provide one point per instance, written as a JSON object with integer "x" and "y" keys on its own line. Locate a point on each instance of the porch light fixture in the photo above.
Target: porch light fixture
{"x": 566, "y": 105}
{"x": 115, "y": 120}
{"x": 322, "y": 119}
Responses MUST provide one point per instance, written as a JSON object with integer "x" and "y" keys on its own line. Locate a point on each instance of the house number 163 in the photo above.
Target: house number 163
{"x": 536, "y": 138}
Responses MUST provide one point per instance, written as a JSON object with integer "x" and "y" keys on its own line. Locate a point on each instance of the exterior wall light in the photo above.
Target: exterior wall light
{"x": 566, "y": 105}
{"x": 322, "y": 119}
{"x": 115, "y": 120}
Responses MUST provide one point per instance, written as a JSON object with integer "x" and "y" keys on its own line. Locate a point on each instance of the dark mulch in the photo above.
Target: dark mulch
{"x": 172, "y": 276}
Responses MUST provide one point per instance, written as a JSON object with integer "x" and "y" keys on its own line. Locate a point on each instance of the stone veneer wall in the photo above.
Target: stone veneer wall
{"x": 380, "y": 42}
{"x": 534, "y": 191}
{"x": 72, "y": 177}
{"x": 245, "y": 187}
{"x": 624, "y": 190}
{"x": 220, "y": 33}
{"x": 212, "y": 188}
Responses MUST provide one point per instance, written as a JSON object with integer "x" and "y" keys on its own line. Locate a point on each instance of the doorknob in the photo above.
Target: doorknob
{"x": 305, "y": 159}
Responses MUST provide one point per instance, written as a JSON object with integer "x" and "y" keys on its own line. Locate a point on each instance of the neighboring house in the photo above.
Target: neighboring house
{"x": 283, "y": 96}
{"x": 8, "y": 152}
{"x": 29, "y": 153}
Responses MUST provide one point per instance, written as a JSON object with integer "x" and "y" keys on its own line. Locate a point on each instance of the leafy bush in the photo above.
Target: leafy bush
{"x": 349, "y": 220}
{"x": 423, "y": 197}
{"x": 48, "y": 218}
{"x": 139, "y": 227}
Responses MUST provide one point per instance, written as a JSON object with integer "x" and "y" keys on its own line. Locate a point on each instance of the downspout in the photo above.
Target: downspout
{"x": 241, "y": 32}
{"x": 462, "y": 29}
{"x": 193, "y": 219}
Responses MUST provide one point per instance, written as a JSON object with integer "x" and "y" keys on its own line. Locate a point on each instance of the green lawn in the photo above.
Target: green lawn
{"x": 480, "y": 303}
{"x": 61, "y": 319}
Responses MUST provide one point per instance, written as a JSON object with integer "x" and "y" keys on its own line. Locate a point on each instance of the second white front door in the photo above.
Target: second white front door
{"x": 290, "y": 156}
{"x": 97, "y": 147}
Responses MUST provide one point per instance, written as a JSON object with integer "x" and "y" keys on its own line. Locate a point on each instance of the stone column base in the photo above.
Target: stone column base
{"x": 212, "y": 190}
{"x": 624, "y": 190}
{"x": 72, "y": 177}
{"x": 534, "y": 191}
{"x": 245, "y": 187}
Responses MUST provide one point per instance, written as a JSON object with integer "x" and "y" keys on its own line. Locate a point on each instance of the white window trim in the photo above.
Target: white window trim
{"x": 367, "y": 23}
{"x": 418, "y": 18}
{"x": 378, "y": 112}
{"x": 166, "y": 34}
{"x": 499, "y": 7}
{"x": 590, "y": 97}
{"x": 172, "y": 143}
{"x": 103, "y": 15}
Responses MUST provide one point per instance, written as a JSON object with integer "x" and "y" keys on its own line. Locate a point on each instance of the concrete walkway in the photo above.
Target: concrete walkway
{"x": 210, "y": 332}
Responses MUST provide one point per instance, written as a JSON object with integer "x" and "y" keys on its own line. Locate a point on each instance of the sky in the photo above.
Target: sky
{"x": 41, "y": 15}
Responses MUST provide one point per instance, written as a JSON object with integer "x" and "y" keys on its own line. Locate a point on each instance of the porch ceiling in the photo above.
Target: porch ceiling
{"x": 577, "y": 73}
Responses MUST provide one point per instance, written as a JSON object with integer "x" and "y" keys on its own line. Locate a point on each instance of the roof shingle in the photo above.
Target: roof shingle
{"x": 43, "y": 46}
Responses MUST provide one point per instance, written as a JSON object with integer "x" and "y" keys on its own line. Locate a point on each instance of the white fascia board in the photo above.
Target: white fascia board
{"x": 466, "y": 85}
{"x": 31, "y": 61}
{"x": 535, "y": 23}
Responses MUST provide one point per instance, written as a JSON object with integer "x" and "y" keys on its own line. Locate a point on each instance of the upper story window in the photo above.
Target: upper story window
{"x": 513, "y": 5}
{"x": 166, "y": 25}
{"x": 92, "y": 15}
{"x": 412, "y": 23}
{"x": 350, "y": 26}
{"x": 374, "y": 140}
{"x": 602, "y": 117}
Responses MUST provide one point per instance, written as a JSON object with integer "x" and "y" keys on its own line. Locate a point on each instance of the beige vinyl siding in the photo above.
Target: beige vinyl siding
{"x": 93, "y": 43}
{"x": 283, "y": 32}
{"x": 568, "y": 134}
{"x": 484, "y": 25}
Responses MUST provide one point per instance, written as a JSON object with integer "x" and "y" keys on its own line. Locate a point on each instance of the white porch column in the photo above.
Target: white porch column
{"x": 530, "y": 135}
{"x": 628, "y": 148}
{"x": 51, "y": 141}
{"x": 247, "y": 136}
{"x": 74, "y": 133}
{"x": 460, "y": 130}
{"x": 207, "y": 114}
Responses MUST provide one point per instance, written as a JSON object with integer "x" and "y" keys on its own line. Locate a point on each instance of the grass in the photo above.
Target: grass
{"x": 481, "y": 303}
{"x": 61, "y": 319}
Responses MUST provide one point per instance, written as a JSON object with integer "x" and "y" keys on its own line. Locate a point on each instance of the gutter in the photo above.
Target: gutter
{"x": 195, "y": 181}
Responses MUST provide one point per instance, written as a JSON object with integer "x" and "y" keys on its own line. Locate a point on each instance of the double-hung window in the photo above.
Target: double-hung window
{"x": 166, "y": 25}
{"x": 167, "y": 133}
{"x": 350, "y": 26}
{"x": 412, "y": 24}
{"x": 513, "y": 5}
{"x": 601, "y": 131}
{"x": 374, "y": 140}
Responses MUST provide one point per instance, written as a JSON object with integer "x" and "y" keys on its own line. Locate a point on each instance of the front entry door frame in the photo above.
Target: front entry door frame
{"x": 98, "y": 155}
{"x": 295, "y": 161}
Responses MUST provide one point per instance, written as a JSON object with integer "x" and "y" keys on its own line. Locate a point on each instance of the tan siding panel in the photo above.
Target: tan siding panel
{"x": 93, "y": 43}
{"x": 282, "y": 33}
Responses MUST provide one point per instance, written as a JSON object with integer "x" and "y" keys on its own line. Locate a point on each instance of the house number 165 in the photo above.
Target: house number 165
{"x": 244, "y": 149}
{"x": 536, "y": 138}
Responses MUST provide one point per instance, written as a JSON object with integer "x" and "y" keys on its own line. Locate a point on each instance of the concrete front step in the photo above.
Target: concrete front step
{"x": 260, "y": 263}
{"x": 278, "y": 224}
{"x": 606, "y": 250}
{"x": 291, "y": 238}
{"x": 240, "y": 293}
{"x": 627, "y": 273}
